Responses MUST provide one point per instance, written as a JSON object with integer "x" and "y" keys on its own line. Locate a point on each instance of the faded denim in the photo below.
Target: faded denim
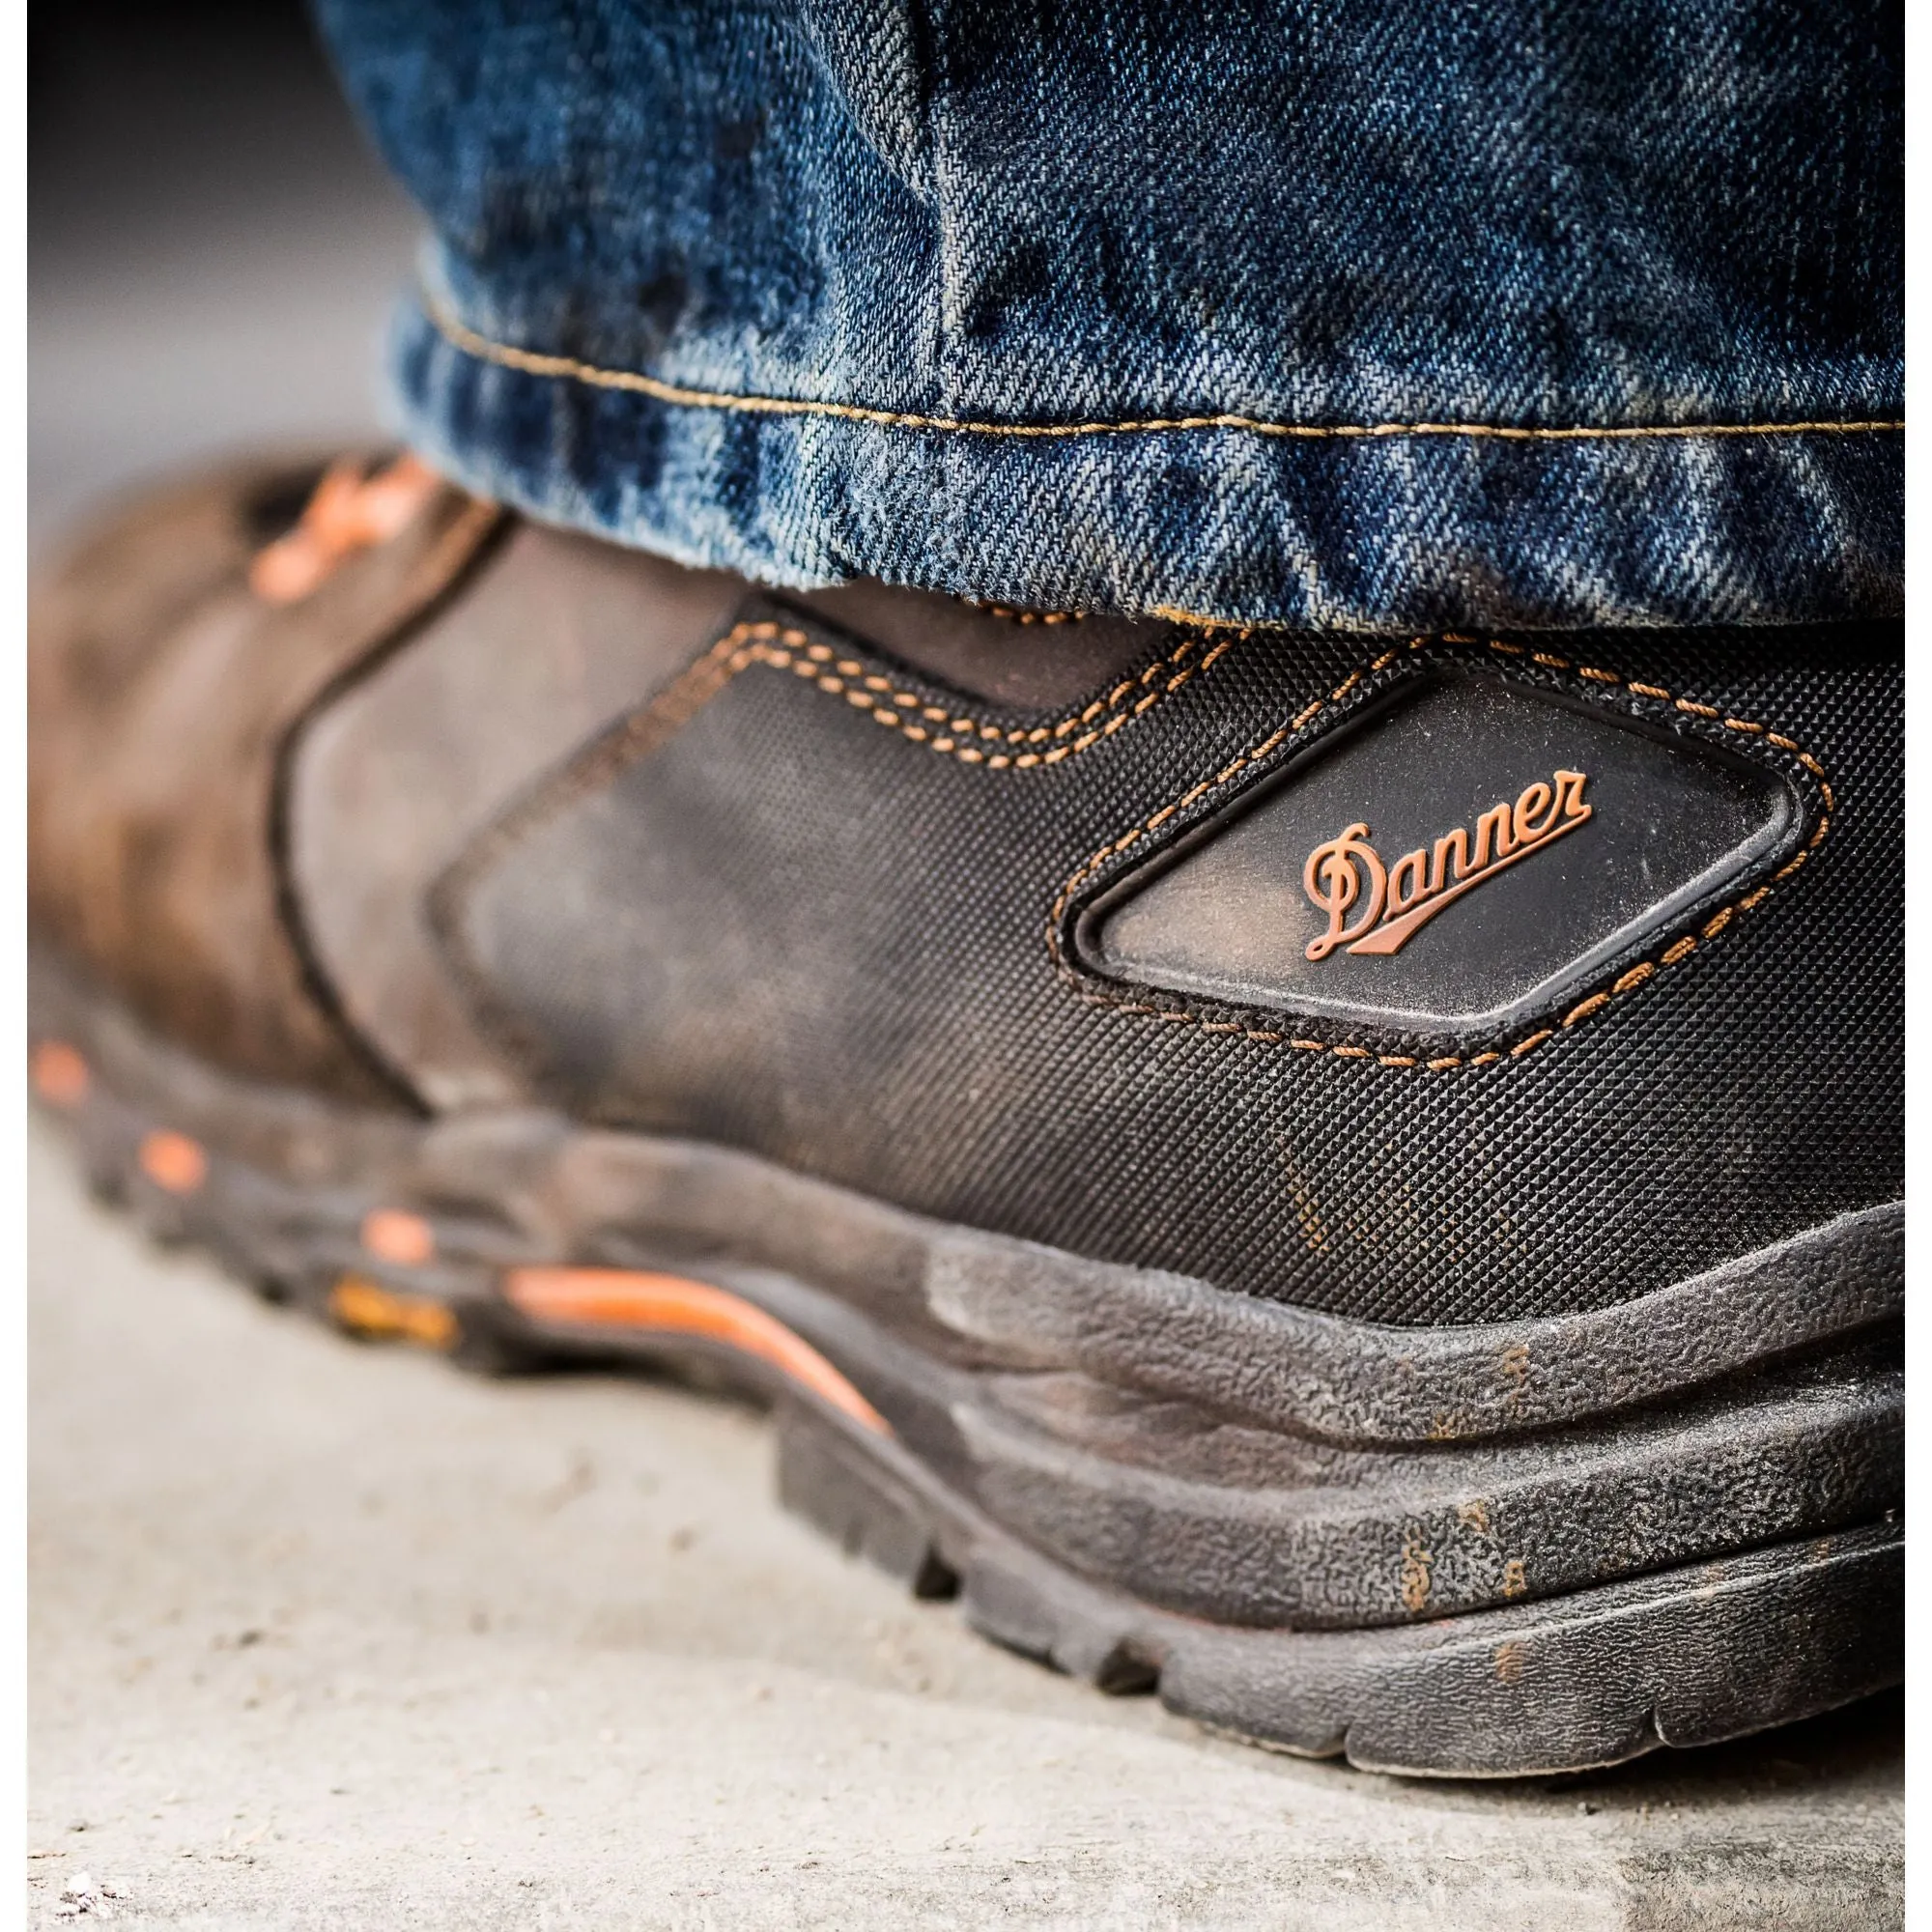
{"x": 1417, "y": 315}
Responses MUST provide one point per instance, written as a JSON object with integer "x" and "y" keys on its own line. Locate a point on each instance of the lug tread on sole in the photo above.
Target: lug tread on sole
{"x": 1572, "y": 1683}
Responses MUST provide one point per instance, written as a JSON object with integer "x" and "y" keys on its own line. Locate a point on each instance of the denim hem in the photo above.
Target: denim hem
{"x": 1382, "y": 526}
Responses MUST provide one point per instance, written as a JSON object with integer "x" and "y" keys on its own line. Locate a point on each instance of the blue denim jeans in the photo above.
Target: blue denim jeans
{"x": 1410, "y": 315}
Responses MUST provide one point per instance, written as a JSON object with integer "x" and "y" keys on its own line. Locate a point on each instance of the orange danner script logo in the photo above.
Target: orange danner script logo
{"x": 1348, "y": 875}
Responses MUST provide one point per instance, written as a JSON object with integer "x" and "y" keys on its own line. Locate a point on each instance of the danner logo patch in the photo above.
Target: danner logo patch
{"x": 1254, "y": 908}
{"x": 1389, "y": 905}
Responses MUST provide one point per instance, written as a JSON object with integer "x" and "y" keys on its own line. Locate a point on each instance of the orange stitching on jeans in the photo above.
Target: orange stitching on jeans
{"x": 531, "y": 362}
{"x": 1628, "y": 981}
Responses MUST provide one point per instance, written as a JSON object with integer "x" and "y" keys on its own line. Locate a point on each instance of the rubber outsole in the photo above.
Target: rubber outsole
{"x": 1693, "y": 1657}
{"x": 955, "y": 1460}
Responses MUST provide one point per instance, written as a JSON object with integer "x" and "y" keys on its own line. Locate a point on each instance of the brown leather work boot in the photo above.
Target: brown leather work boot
{"x": 1352, "y": 1179}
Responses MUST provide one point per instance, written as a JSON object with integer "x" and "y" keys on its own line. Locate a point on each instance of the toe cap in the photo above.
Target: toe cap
{"x": 162, "y": 690}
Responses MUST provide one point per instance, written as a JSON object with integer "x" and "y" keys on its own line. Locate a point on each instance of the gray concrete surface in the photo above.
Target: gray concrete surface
{"x": 330, "y": 1636}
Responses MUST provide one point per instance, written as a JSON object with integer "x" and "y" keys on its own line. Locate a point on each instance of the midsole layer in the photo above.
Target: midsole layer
{"x": 1224, "y": 1458}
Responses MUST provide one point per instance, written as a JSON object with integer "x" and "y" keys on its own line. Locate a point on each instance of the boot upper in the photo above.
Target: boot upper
{"x": 1420, "y": 979}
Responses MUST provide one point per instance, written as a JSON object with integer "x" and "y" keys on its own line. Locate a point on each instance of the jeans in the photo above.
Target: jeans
{"x": 1415, "y": 315}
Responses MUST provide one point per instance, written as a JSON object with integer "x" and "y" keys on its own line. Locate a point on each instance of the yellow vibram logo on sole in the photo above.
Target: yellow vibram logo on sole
{"x": 382, "y": 1315}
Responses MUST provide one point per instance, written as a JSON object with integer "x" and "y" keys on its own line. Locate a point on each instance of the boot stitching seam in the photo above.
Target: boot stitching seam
{"x": 1628, "y": 981}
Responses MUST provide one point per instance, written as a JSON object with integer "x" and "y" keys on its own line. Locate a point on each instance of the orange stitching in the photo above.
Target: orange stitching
{"x": 782, "y": 649}
{"x": 531, "y": 362}
{"x": 1628, "y": 981}
{"x": 1015, "y": 615}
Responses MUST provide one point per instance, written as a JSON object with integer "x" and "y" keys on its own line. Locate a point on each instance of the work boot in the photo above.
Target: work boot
{"x": 1351, "y": 1180}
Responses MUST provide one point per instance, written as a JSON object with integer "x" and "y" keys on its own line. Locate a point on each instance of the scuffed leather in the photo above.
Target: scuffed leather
{"x": 161, "y": 690}
{"x": 558, "y": 635}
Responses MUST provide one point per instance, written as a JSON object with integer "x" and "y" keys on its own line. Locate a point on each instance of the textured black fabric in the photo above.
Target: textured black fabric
{"x": 765, "y": 920}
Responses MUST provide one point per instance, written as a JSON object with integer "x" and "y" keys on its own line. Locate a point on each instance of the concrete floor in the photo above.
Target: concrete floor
{"x": 331, "y": 1635}
{"x": 324, "y": 1636}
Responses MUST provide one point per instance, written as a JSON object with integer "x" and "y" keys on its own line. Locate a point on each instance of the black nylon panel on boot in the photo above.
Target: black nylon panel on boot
{"x": 761, "y": 918}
